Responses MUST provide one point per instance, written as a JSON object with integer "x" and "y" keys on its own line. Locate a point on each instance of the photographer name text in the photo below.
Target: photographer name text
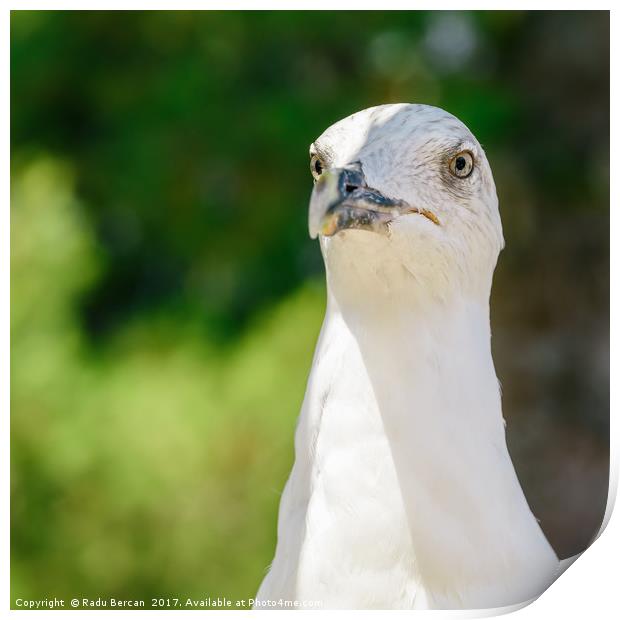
{"x": 208, "y": 602}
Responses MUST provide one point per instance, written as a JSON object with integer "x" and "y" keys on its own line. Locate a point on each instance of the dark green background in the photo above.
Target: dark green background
{"x": 166, "y": 297}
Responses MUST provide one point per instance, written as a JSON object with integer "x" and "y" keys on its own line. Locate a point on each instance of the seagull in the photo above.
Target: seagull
{"x": 403, "y": 494}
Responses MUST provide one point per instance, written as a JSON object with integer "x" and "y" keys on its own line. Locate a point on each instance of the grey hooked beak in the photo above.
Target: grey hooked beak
{"x": 341, "y": 199}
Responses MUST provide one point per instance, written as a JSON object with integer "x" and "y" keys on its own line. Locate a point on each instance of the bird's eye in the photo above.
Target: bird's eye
{"x": 316, "y": 167}
{"x": 462, "y": 164}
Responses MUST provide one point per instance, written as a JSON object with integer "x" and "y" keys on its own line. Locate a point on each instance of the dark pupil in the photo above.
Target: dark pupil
{"x": 318, "y": 167}
{"x": 460, "y": 163}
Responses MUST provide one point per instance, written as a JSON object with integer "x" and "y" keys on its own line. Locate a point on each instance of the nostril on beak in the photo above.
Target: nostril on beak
{"x": 351, "y": 179}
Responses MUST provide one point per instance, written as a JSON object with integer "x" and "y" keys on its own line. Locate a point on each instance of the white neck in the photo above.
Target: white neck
{"x": 475, "y": 539}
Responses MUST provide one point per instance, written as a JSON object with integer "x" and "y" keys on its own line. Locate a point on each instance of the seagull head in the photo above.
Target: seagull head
{"x": 404, "y": 200}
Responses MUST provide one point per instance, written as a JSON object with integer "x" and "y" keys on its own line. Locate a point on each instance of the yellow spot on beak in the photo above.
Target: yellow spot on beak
{"x": 329, "y": 225}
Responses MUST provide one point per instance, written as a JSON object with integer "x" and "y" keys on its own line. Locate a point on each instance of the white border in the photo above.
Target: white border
{"x": 309, "y": 5}
{"x": 589, "y": 587}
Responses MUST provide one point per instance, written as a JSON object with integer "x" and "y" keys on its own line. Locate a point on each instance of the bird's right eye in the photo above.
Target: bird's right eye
{"x": 316, "y": 167}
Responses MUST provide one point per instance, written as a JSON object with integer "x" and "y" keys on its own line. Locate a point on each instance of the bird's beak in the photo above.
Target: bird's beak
{"x": 341, "y": 199}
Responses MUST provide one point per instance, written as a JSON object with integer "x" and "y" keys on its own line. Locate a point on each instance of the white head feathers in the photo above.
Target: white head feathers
{"x": 424, "y": 158}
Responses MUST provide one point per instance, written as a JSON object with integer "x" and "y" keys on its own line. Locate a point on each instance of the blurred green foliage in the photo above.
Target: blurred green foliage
{"x": 189, "y": 131}
{"x": 165, "y": 297}
{"x": 140, "y": 468}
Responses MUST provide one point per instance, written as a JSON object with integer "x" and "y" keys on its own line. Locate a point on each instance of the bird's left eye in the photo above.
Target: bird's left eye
{"x": 316, "y": 167}
{"x": 462, "y": 164}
